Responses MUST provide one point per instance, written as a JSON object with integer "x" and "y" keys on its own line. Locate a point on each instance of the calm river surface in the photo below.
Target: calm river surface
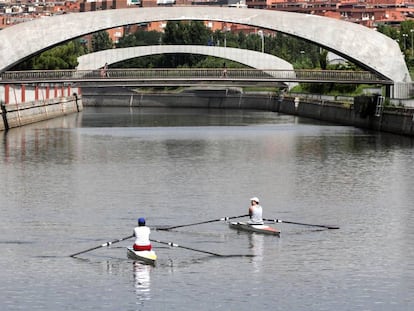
{"x": 74, "y": 183}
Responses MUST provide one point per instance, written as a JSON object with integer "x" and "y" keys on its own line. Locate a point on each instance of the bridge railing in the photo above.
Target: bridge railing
{"x": 193, "y": 74}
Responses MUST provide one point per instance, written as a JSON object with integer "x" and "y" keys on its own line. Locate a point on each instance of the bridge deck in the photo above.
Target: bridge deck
{"x": 192, "y": 76}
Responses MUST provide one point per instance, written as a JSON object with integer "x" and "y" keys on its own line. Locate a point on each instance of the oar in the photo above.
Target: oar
{"x": 186, "y": 247}
{"x": 300, "y": 223}
{"x": 203, "y": 222}
{"x": 103, "y": 245}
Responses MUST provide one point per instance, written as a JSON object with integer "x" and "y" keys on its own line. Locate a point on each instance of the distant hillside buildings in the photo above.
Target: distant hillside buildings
{"x": 368, "y": 12}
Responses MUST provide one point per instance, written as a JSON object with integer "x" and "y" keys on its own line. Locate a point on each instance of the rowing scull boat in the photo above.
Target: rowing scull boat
{"x": 264, "y": 229}
{"x": 148, "y": 257}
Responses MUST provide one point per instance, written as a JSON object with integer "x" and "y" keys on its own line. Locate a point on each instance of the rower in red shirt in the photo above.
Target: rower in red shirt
{"x": 142, "y": 233}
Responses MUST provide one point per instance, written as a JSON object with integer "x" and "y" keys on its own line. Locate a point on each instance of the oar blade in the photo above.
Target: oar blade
{"x": 87, "y": 250}
{"x": 102, "y": 245}
{"x": 301, "y": 223}
{"x": 332, "y": 227}
{"x": 310, "y": 225}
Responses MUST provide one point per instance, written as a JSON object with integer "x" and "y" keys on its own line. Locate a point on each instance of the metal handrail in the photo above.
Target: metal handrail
{"x": 193, "y": 73}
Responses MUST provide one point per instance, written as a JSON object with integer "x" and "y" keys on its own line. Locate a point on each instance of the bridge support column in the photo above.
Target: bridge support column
{"x": 23, "y": 93}
{"x": 47, "y": 92}
{"x": 6, "y": 94}
{"x": 387, "y": 91}
{"x": 36, "y": 92}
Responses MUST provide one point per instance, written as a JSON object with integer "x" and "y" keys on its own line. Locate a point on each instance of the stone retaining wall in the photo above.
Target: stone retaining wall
{"x": 15, "y": 115}
{"x": 392, "y": 120}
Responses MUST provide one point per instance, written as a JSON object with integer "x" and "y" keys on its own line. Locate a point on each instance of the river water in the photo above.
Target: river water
{"x": 76, "y": 182}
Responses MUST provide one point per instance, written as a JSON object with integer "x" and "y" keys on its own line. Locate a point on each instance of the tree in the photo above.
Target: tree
{"x": 185, "y": 33}
{"x": 140, "y": 38}
{"x": 389, "y": 31}
{"x": 198, "y": 33}
{"x": 173, "y": 33}
{"x": 101, "y": 41}
{"x": 60, "y": 57}
{"x": 323, "y": 59}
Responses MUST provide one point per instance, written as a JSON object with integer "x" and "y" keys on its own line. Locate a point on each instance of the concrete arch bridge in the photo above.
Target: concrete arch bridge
{"x": 363, "y": 46}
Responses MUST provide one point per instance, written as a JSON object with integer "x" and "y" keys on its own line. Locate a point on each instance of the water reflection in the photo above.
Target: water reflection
{"x": 256, "y": 245}
{"x": 142, "y": 282}
{"x": 39, "y": 141}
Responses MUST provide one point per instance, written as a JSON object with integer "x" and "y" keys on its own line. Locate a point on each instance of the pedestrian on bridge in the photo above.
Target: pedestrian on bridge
{"x": 105, "y": 70}
{"x": 224, "y": 73}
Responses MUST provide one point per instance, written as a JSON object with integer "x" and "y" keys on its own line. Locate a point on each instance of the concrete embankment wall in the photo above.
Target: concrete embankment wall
{"x": 15, "y": 115}
{"x": 392, "y": 120}
{"x": 398, "y": 121}
{"x": 213, "y": 98}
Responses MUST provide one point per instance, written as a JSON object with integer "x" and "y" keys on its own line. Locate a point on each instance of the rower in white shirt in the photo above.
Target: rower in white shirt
{"x": 255, "y": 212}
{"x": 142, "y": 233}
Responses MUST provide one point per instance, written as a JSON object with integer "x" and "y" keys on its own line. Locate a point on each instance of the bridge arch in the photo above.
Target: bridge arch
{"x": 361, "y": 45}
{"x": 250, "y": 58}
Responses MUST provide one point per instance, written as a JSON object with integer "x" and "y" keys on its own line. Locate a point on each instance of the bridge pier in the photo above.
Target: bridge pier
{"x": 388, "y": 91}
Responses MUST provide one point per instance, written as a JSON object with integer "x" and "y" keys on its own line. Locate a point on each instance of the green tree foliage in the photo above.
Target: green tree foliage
{"x": 404, "y": 35}
{"x": 174, "y": 33}
{"x": 389, "y": 31}
{"x": 328, "y": 88}
{"x": 140, "y": 38}
{"x": 215, "y": 62}
{"x": 191, "y": 32}
{"x": 101, "y": 41}
{"x": 323, "y": 59}
{"x": 152, "y": 61}
{"x": 242, "y": 40}
{"x": 185, "y": 33}
{"x": 60, "y": 57}
{"x": 197, "y": 33}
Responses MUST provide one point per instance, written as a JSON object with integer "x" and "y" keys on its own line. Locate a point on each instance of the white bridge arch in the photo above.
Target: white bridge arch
{"x": 250, "y": 58}
{"x": 361, "y": 45}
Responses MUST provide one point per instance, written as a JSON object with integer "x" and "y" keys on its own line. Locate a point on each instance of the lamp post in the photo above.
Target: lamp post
{"x": 225, "y": 29}
{"x": 302, "y": 58}
{"x": 405, "y": 41}
{"x": 412, "y": 47}
{"x": 260, "y": 32}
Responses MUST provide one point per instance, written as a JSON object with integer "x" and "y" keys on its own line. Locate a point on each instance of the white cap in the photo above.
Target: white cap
{"x": 256, "y": 199}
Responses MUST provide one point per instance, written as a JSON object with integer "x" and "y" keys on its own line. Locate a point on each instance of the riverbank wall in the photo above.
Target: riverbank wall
{"x": 384, "y": 119}
{"x": 16, "y": 115}
{"x": 339, "y": 111}
{"x": 228, "y": 98}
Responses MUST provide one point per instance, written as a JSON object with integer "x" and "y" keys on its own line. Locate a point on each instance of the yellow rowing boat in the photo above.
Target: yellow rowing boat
{"x": 148, "y": 257}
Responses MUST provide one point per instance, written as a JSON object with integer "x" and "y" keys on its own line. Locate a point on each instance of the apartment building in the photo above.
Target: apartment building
{"x": 368, "y": 12}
